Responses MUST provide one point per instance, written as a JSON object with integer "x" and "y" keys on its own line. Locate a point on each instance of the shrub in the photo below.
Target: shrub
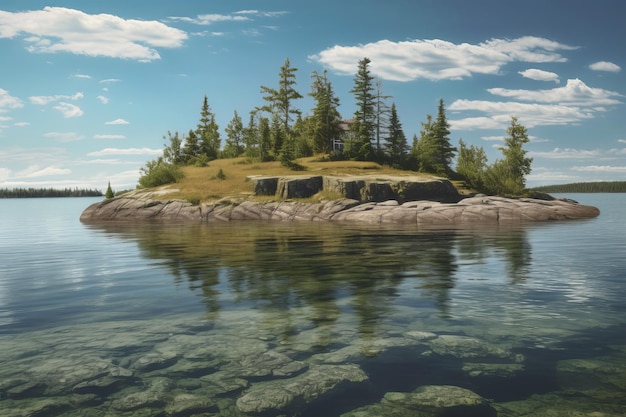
{"x": 158, "y": 172}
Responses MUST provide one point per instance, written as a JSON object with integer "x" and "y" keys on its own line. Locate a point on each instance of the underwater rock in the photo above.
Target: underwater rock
{"x": 464, "y": 347}
{"x": 428, "y": 401}
{"x": 282, "y": 395}
{"x": 189, "y": 404}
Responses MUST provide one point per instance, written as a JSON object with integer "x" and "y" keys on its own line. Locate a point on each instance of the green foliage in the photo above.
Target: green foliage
{"x": 395, "y": 143}
{"x": 503, "y": 177}
{"x": 208, "y": 132}
{"x": 279, "y": 101}
{"x": 585, "y": 187}
{"x": 364, "y": 123}
{"x": 325, "y": 121}
{"x": 472, "y": 165}
{"x": 234, "y": 137}
{"x": 109, "y": 192}
{"x": 159, "y": 172}
{"x": 173, "y": 153}
{"x": 220, "y": 175}
{"x": 47, "y": 192}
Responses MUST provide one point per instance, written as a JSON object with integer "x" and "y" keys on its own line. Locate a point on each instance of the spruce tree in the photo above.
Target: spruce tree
{"x": 444, "y": 152}
{"x": 109, "y": 193}
{"x": 208, "y": 132}
{"x": 326, "y": 119}
{"x": 234, "y": 137}
{"x": 396, "y": 144}
{"x": 364, "y": 123}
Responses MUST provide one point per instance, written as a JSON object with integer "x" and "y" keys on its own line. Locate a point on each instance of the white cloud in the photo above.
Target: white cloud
{"x": 566, "y": 153}
{"x": 22, "y": 124}
{"x": 539, "y": 75}
{"x": 64, "y": 136}
{"x": 209, "y": 19}
{"x": 605, "y": 66}
{"x": 103, "y": 99}
{"x": 575, "y": 92}
{"x": 126, "y": 151}
{"x": 43, "y": 100}
{"x": 7, "y": 101}
{"x": 109, "y": 137}
{"x": 81, "y": 76}
{"x": 59, "y": 29}
{"x": 69, "y": 110}
{"x": 436, "y": 59}
{"x": 600, "y": 168}
{"x": 529, "y": 114}
{"x": 117, "y": 122}
{"x": 36, "y": 172}
{"x": 110, "y": 81}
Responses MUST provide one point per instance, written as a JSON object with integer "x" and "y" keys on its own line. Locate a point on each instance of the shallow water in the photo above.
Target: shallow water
{"x": 156, "y": 320}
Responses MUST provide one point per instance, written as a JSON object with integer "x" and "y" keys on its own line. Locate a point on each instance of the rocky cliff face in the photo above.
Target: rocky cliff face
{"x": 367, "y": 201}
{"x": 362, "y": 188}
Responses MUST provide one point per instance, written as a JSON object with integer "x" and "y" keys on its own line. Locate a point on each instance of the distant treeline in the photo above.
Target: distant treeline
{"x": 47, "y": 192}
{"x": 585, "y": 187}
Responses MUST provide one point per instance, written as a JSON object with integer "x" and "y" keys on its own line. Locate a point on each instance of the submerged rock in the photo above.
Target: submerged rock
{"x": 281, "y": 395}
{"x": 428, "y": 401}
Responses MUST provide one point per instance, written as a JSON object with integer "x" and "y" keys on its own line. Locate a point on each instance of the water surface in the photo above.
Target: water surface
{"x": 130, "y": 319}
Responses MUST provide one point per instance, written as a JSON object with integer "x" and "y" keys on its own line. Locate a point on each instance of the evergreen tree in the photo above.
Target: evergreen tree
{"x": 173, "y": 153}
{"x": 396, "y": 144}
{"x": 109, "y": 192}
{"x": 382, "y": 117}
{"x": 444, "y": 152}
{"x": 364, "y": 123}
{"x": 425, "y": 149}
{"x": 265, "y": 139}
{"x": 277, "y": 136}
{"x": 510, "y": 172}
{"x": 234, "y": 137}
{"x": 208, "y": 132}
{"x": 280, "y": 101}
{"x": 251, "y": 137}
{"x": 325, "y": 121}
{"x": 191, "y": 146}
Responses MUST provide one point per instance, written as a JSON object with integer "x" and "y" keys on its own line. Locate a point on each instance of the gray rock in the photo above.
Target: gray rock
{"x": 140, "y": 206}
{"x": 285, "y": 394}
{"x": 468, "y": 347}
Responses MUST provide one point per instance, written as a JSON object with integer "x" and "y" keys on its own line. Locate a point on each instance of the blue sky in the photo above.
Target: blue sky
{"x": 88, "y": 89}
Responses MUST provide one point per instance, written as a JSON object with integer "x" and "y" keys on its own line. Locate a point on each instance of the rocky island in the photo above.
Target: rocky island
{"x": 366, "y": 199}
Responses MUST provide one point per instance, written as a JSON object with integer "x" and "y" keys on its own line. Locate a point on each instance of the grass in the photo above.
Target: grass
{"x": 206, "y": 184}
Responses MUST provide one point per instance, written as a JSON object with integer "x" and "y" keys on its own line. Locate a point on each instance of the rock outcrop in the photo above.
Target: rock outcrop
{"x": 368, "y": 200}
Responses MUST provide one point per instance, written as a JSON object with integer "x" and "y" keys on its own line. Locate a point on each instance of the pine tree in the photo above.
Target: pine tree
{"x": 364, "y": 123}
{"x": 396, "y": 144}
{"x": 191, "y": 146}
{"x": 444, "y": 152}
{"x": 326, "y": 119}
{"x": 109, "y": 192}
{"x": 280, "y": 101}
{"x": 472, "y": 164}
{"x": 515, "y": 164}
{"x": 382, "y": 117}
{"x": 208, "y": 132}
{"x": 234, "y": 137}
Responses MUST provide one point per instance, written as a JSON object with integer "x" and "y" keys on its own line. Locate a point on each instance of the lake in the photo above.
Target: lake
{"x": 310, "y": 319}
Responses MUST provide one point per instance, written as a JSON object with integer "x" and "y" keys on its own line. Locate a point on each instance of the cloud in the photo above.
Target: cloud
{"x": 605, "y": 66}
{"x": 576, "y": 92}
{"x": 109, "y": 137}
{"x": 36, "y": 172}
{"x": 59, "y": 29}
{"x": 126, "y": 151}
{"x": 566, "y": 153}
{"x": 69, "y": 110}
{"x": 529, "y": 114}
{"x": 22, "y": 124}
{"x": 436, "y": 59}
{"x": 64, "y": 136}
{"x": 117, "y": 122}
{"x": 539, "y": 75}
{"x": 110, "y": 81}
{"x": 600, "y": 168}
{"x": 43, "y": 100}
{"x": 103, "y": 99}
{"x": 565, "y": 105}
{"x": 7, "y": 101}
{"x": 81, "y": 76}
{"x": 209, "y": 19}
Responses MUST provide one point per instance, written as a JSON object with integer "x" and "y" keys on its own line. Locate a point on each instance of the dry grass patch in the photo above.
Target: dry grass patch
{"x": 201, "y": 184}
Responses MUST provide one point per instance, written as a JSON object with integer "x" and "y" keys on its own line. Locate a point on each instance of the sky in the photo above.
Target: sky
{"x": 89, "y": 89}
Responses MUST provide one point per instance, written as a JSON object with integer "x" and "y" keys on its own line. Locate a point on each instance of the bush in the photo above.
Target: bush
{"x": 158, "y": 172}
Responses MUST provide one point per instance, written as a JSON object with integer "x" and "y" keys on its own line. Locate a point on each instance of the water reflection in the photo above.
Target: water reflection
{"x": 324, "y": 269}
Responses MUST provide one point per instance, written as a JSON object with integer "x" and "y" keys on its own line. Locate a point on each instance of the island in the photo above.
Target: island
{"x": 363, "y": 199}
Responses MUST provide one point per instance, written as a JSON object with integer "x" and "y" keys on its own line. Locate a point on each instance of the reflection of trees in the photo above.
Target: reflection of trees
{"x": 314, "y": 268}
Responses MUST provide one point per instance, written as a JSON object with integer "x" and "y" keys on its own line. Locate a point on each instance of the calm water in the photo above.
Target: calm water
{"x": 149, "y": 320}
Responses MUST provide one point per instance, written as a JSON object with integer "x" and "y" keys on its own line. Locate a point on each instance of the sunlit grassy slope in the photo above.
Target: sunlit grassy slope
{"x": 203, "y": 184}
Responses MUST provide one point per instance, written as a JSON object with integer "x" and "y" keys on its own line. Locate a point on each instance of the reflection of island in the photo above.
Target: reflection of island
{"x": 323, "y": 269}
